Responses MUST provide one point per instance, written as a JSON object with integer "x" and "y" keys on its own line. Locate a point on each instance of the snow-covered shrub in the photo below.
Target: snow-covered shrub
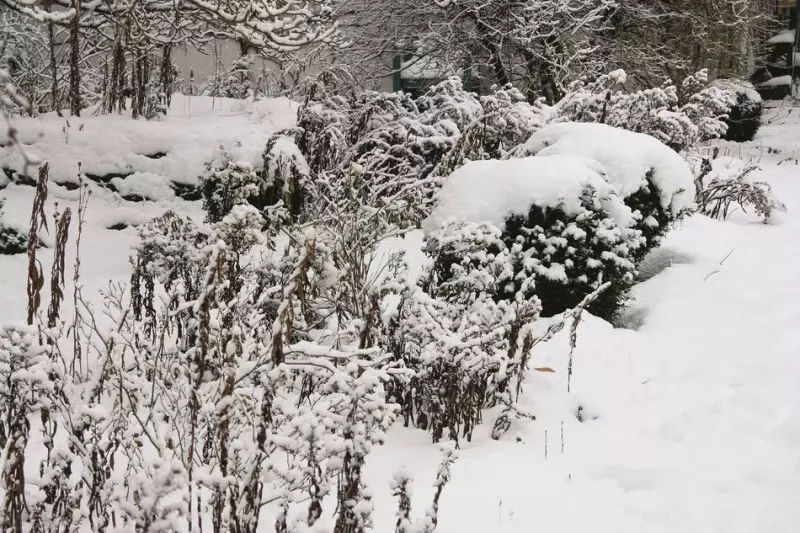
{"x": 165, "y": 255}
{"x": 399, "y": 148}
{"x": 27, "y": 385}
{"x": 293, "y": 369}
{"x": 373, "y": 110}
{"x": 728, "y": 184}
{"x": 397, "y": 160}
{"x": 565, "y": 227}
{"x": 223, "y": 188}
{"x": 11, "y": 241}
{"x": 285, "y": 175}
{"x": 448, "y": 101}
{"x": 678, "y": 118}
{"x": 505, "y": 121}
{"x": 744, "y": 119}
{"x": 323, "y": 122}
{"x": 389, "y": 143}
{"x": 237, "y": 82}
{"x": 707, "y": 106}
{"x": 568, "y": 258}
{"x": 654, "y": 181}
{"x": 458, "y": 334}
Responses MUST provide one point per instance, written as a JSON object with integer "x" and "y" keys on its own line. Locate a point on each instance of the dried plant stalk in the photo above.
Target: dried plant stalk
{"x": 57, "y": 273}
{"x": 38, "y": 221}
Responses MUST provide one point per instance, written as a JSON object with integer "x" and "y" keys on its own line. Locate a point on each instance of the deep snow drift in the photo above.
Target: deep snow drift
{"x": 690, "y": 423}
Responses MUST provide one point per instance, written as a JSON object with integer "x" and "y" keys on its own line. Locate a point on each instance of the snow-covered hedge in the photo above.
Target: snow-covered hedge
{"x": 680, "y": 117}
{"x": 399, "y": 147}
{"x": 564, "y": 228}
{"x": 744, "y": 119}
{"x": 654, "y": 181}
{"x": 403, "y": 148}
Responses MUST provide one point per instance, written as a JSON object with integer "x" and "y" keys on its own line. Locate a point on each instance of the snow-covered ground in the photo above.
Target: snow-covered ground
{"x": 152, "y": 154}
{"x": 690, "y": 423}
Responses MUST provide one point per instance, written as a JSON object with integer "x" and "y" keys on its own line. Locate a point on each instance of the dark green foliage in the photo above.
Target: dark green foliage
{"x": 744, "y": 119}
{"x": 549, "y": 255}
{"x": 654, "y": 221}
{"x": 569, "y": 257}
{"x": 12, "y": 242}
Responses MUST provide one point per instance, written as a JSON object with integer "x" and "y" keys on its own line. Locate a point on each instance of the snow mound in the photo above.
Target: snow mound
{"x": 145, "y": 185}
{"x": 625, "y": 157}
{"x": 176, "y": 147}
{"x": 491, "y": 191}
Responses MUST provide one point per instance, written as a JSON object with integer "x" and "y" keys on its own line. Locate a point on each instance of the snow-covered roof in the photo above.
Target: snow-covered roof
{"x": 625, "y": 158}
{"x": 777, "y": 81}
{"x": 786, "y": 36}
{"x": 491, "y": 191}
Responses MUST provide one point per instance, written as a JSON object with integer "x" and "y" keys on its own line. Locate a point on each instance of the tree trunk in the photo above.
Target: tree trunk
{"x": 74, "y": 65}
{"x": 139, "y": 83}
{"x": 118, "y": 77}
{"x": 487, "y": 41}
{"x": 53, "y": 70}
{"x": 244, "y": 46}
{"x": 167, "y": 79}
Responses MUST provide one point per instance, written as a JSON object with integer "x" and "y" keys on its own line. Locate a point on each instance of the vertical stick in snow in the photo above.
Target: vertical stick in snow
{"x": 545, "y": 444}
{"x": 83, "y": 200}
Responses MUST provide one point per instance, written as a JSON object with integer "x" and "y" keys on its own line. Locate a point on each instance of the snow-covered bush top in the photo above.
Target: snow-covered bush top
{"x": 738, "y": 87}
{"x": 680, "y": 117}
{"x": 626, "y": 159}
{"x": 491, "y": 191}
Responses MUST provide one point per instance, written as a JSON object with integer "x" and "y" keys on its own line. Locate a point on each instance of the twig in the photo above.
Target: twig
{"x": 716, "y": 270}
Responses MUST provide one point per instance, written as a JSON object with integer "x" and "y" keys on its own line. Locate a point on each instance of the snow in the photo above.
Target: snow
{"x": 784, "y": 37}
{"x": 425, "y": 67}
{"x": 173, "y": 149}
{"x": 777, "y": 81}
{"x": 690, "y": 423}
{"x": 144, "y": 184}
{"x": 625, "y": 158}
{"x": 491, "y": 191}
{"x": 739, "y": 87}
